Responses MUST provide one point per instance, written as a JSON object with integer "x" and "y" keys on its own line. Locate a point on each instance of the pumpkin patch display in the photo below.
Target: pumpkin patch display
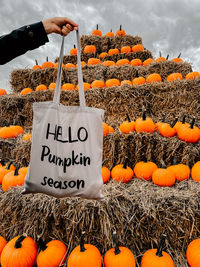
{"x": 84, "y": 255}
{"x": 26, "y": 91}
{"x": 193, "y": 253}
{"x": 144, "y": 170}
{"x": 19, "y": 251}
{"x": 122, "y": 173}
{"x": 190, "y": 134}
{"x": 120, "y": 32}
{"x": 13, "y": 178}
{"x": 97, "y": 32}
{"x": 73, "y": 51}
{"x": 192, "y": 75}
{"x": 154, "y": 77}
{"x": 195, "y": 172}
{"x": 112, "y": 82}
{"x": 119, "y": 256}
{"x": 144, "y": 124}
{"x": 90, "y": 49}
{"x": 157, "y": 257}
{"x": 52, "y": 254}
{"x": 163, "y": 176}
{"x": 127, "y": 126}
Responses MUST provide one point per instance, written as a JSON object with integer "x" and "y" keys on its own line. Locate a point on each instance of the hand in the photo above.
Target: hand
{"x": 59, "y": 25}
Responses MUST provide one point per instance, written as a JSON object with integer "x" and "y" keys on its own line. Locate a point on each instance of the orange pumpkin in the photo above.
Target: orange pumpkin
{"x": 69, "y": 66}
{"x": 110, "y": 34}
{"x": 174, "y": 76}
{"x": 4, "y": 170}
{"x": 86, "y": 86}
{"x": 90, "y": 49}
{"x": 144, "y": 170}
{"x": 36, "y": 66}
{"x": 103, "y": 54}
{"x": 163, "y": 176}
{"x": 3, "y": 92}
{"x": 119, "y": 256}
{"x": 195, "y": 172}
{"x": 126, "y": 82}
{"x": 84, "y": 255}
{"x": 73, "y": 51}
{"x": 127, "y": 126}
{"x": 137, "y": 48}
{"x": 122, "y": 173}
{"x": 111, "y": 129}
{"x": 98, "y": 84}
{"x": 144, "y": 124}
{"x": 193, "y": 253}
{"x": 105, "y": 173}
{"x": 112, "y": 82}
{"x": 19, "y": 251}
{"x": 125, "y": 49}
{"x": 54, "y": 250}
{"x": 177, "y": 59}
{"x": 190, "y": 134}
{"x": 3, "y": 242}
{"x": 94, "y": 61}
{"x": 113, "y": 51}
{"x": 154, "y": 77}
{"x": 136, "y": 62}
{"x": 83, "y": 64}
{"x": 47, "y": 64}
{"x": 121, "y": 62}
{"x": 97, "y": 32}
{"x": 157, "y": 257}
{"x": 52, "y": 86}
{"x": 181, "y": 171}
{"x": 68, "y": 86}
{"x": 12, "y": 179}
{"x": 27, "y": 137}
{"x": 108, "y": 63}
{"x": 105, "y": 129}
{"x": 26, "y": 91}
{"x": 192, "y": 75}
{"x": 41, "y": 87}
{"x": 120, "y": 32}
{"x": 138, "y": 81}
{"x": 166, "y": 129}
{"x": 180, "y": 123}
{"x": 148, "y": 61}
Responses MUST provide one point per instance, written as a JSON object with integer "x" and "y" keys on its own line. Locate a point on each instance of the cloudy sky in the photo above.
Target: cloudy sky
{"x": 170, "y": 26}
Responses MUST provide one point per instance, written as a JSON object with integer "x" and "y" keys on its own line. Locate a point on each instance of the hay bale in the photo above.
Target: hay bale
{"x": 6, "y": 148}
{"x": 32, "y": 78}
{"x": 139, "y": 211}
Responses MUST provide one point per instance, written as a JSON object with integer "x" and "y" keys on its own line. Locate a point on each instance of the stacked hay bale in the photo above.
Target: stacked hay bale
{"x": 139, "y": 211}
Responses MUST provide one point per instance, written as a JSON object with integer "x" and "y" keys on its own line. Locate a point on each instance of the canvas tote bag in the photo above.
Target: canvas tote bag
{"x": 67, "y": 144}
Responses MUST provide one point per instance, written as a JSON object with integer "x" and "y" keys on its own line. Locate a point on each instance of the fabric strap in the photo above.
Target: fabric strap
{"x": 56, "y": 98}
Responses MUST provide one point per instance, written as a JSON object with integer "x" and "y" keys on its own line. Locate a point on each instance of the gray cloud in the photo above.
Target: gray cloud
{"x": 171, "y": 26}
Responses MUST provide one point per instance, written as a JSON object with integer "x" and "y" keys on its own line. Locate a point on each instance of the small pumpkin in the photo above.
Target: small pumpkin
{"x": 111, "y": 129}
{"x": 97, "y": 32}
{"x": 181, "y": 171}
{"x": 144, "y": 170}
{"x": 56, "y": 65}
{"x": 84, "y": 255}
{"x": 108, "y": 63}
{"x": 47, "y": 64}
{"x": 125, "y": 49}
{"x": 69, "y": 66}
{"x": 86, "y": 86}
{"x": 105, "y": 129}
{"x": 193, "y": 253}
{"x": 36, "y": 66}
{"x": 157, "y": 257}
{"x": 93, "y": 61}
{"x": 19, "y": 251}
{"x": 144, "y": 124}
{"x": 68, "y": 86}
{"x": 90, "y": 49}
{"x": 174, "y": 76}
{"x": 26, "y": 91}
{"x": 148, "y": 61}
{"x": 122, "y": 173}
{"x": 195, "y": 172}
{"x": 161, "y": 58}
{"x": 112, "y": 82}
{"x": 136, "y": 62}
{"x": 126, "y": 82}
{"x": 154, "y": 77}
{"x": 120, "y": 32}
{"x": 3, "y": 92}
{"x": 98, "y": 84}
{"x": 27, "y": 137}
{"x": 41, "y": 87}
{"x": 127, "y": 126}
{"x": 4, "y": 170}
{"x": 83, "y": 64}
{"x": 113, "y": 51}
{"x": 177, "y": 59}
{"x": 73, "y": 51}
{"x": 192, "y": 75}
{"x": 119, "y": 256}
{"x": 110, "y": 34}
{"x": 166, "y": 129}
{"x": 52, "y": 254}
{"x": 121, "y": 62}
{"x": 138, "y": 81}
{"x": 179, "y": 123}
{"x": 163, "y": 176}
{"x": 106, "y": 174}
{"x": 52, "y": 86}
{"x": 137, "y": 48}
{"x": 190, "y": 134}
{"x": 103, "y": 54}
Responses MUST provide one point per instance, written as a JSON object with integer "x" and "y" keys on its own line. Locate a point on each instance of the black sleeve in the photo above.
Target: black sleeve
{"x": 21, "y": 40}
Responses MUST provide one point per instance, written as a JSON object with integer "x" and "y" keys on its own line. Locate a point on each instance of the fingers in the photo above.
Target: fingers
{"x": 71, "y": 22}
{"x": 66, "y": 29}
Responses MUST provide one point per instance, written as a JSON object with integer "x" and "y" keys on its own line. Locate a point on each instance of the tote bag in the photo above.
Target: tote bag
{"x": 67, "y": 144}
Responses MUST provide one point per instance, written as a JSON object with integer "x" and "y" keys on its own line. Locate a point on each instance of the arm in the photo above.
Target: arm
{"x": 21, "y": 40}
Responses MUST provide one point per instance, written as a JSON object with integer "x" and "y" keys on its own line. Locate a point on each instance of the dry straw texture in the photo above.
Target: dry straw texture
{"x": 139, "y": 211}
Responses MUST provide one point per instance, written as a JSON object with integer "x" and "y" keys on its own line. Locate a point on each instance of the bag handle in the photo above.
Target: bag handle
{"x": 56, "y": 98}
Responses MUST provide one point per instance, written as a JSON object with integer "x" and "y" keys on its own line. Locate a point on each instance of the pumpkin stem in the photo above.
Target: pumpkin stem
{"x": 160, "y": 54}
{"x": 111, "y": 30}
{"x": 36, "y": 62}
{"x": 163, "y": 165}
{"x": 192, "y": 123}
{"x": 9, "y": 164}
{"x": 19, "y": 241}
{"x": 128, "y": 117}
{"x": 179, "y": 55}
{"x": 183, "y": 119}
{"x": 117, "y": 250}
{"x": 143, "y": 114}
{"x": 125, "y": 163}
{"x": 74, "y": 46}
{"x": 120, "y": 27}
{"x": 137, "y": 74}
{"x": 47, "y": 59}
{"x": 174, "y": 122}
{"x": 16, "y": 173}
{"x": 82, "y": 242}
{"x": 97, "y": 26}
{"x": 41, "y": 244}
{"x": 167, "y": 57}
{"x": 161, "y": 246}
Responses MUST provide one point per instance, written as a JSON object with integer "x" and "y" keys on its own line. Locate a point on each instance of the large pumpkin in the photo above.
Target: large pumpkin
{"x": 190, "y": 134}
{"x": 84, "y": 255}
{"x": 144, "y": 170}
{"x": 18, "y": 252}
{"x": 13, "y": 178}
{"x": 193, "y": 253}
{"x": 122, "y": 173}
{"x": 163, "y": 176}
{"x": 119, "y": 256}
